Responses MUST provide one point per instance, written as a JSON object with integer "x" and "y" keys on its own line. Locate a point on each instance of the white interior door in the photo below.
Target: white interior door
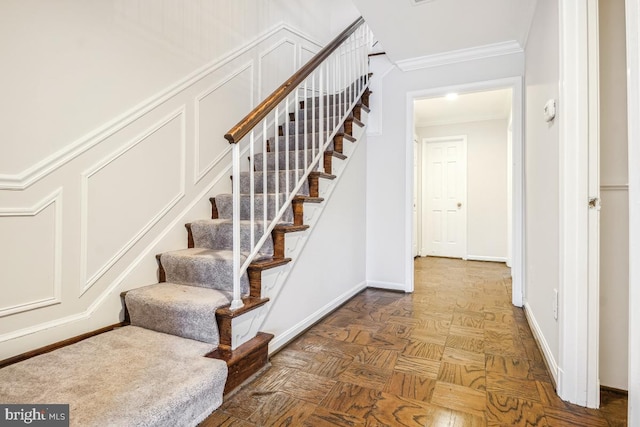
{"x": 444, "y": 185}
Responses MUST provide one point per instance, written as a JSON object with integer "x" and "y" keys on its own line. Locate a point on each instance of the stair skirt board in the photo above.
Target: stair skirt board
{"x": 141, "y": 377}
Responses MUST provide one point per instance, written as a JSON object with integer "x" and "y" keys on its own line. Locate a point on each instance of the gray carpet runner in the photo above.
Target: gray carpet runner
{"x": 186, "y": 311}
{"x": 127, "y": 377}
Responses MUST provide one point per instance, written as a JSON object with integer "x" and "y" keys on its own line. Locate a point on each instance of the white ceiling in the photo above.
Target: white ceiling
{"x": 471, "y": 107}
{"x": 408, "y": 30}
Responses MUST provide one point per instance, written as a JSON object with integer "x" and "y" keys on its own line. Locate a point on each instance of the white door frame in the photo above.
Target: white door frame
{"x": 518, "y": 235}
{"x": 423, "y": 166}
{"x": 578, "y": 306}
{"x": 633, "y": 112}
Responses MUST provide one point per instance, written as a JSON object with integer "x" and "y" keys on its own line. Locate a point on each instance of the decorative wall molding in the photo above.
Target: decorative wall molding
{"x": 267, "y": 52}
{"x": 199, "y": 174}
{"x": 88, "y": 282}
{"x": 56, "y": 292}
{"x": 462, "y": 55}
{"x": 301, "y": 62}
{"x": 33, "y": 174}
{"x": 117, "y": 283}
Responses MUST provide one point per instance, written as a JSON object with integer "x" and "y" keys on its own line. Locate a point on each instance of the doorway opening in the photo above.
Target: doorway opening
{"x": 471, "y": 207}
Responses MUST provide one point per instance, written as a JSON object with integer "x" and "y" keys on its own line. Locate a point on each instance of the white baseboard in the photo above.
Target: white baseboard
{"x": 387, "y": 285}
{"x": 486, "y": 258}
{"x": 542, "y": 342}
{"x": 284, "y": 338}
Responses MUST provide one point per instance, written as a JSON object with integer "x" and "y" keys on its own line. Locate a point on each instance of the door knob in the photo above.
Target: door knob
{"x": 459, "y": 205}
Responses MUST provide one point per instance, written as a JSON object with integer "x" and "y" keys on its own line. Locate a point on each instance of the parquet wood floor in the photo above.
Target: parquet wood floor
{"x": 453, "y": 353}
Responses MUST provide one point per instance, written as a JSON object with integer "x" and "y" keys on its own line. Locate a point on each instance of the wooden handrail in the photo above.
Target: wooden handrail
{"x": 260, "y": 112}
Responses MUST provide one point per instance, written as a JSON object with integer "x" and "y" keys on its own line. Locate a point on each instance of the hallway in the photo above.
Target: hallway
{"x": 453, "y": 353}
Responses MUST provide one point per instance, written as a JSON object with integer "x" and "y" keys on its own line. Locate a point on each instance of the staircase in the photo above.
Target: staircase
{"x": 210, "y": 299}
{"x": 193, "y": 297}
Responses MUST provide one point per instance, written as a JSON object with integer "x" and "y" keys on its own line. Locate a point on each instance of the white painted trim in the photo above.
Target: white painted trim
{"x": 386, "y": 285}
{"x": 115, "y": 285}
{"x": 633, "y": 112}
{"x": 88, "y": 282}
{"x": 31, "y": 175}
{"x": 518, "y": 201}
{"x": 542, "y": 342}
{"x": 462, "y": 55}
{"x": 614, "y": 187}
{"x": 199, "y": 174}
{"x": 56, "y": 295}
{"x": 486, "y": 258}
{"x": 575, "y": 357}
{"x": 300, "y": 49}
{"x": 287, "y": 336}
{"x": 267, "y": 52}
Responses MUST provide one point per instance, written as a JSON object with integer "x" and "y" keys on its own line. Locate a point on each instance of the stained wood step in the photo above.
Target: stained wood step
{"x": 255, "y": 269}
{"x": 245, "y": 361}
{"x": 224, "y": 317}
{"x": 328, "y": 159}
{"x": 278, "y": 234}
{"x": 298, "y": 207}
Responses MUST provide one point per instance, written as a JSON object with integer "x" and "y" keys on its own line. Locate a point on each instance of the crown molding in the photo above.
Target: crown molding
{"x": 461, "y": 55}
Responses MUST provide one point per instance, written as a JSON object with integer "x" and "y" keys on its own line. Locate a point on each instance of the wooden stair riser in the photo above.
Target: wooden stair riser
{"x": 254, "y": 271}
{"x": 225, "y": 316}
{"x": 162, "y": 275}
{"x": 328, "y": 160}
{"x": 278, "y": 235}
{"x": 245, "y": 361}
{"x": 214, "y": 208}
{"x": 365, "y": 97}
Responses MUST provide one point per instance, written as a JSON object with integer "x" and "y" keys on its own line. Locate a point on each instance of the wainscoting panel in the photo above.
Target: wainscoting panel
{"x": 215, "y": 115}
{"x": 275, "y": 66}
{"x": 24, "y": 262}
{"x": 122, "y": 201}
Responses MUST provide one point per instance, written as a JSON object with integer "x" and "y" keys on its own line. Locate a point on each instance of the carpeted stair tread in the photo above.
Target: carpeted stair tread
{"x": 184, "y": 311}
{"x": 224, "y": 205}
{"x": 271, "y": 159}
{"x": 206, "y": 268}
{"x": 258, "y": 181}
{"x": 218, "y": 234}
{"x": 298, "y": 126}
{"x": 291, "y": 145}
{"x": 127, "y": 377}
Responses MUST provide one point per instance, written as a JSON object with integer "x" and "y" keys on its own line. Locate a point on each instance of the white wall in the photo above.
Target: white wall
{"x": 486, "y": 184}
{"x": 330, "y": 268}
{"x": 113, "y": 120}
{"x": 614, "y": 227}
{"x": 542, "y": 178}
{"x": 388, "y": 225}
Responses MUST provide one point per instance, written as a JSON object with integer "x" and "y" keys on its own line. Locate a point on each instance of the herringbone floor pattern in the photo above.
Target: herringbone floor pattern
{"x": 453, "y": 353}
